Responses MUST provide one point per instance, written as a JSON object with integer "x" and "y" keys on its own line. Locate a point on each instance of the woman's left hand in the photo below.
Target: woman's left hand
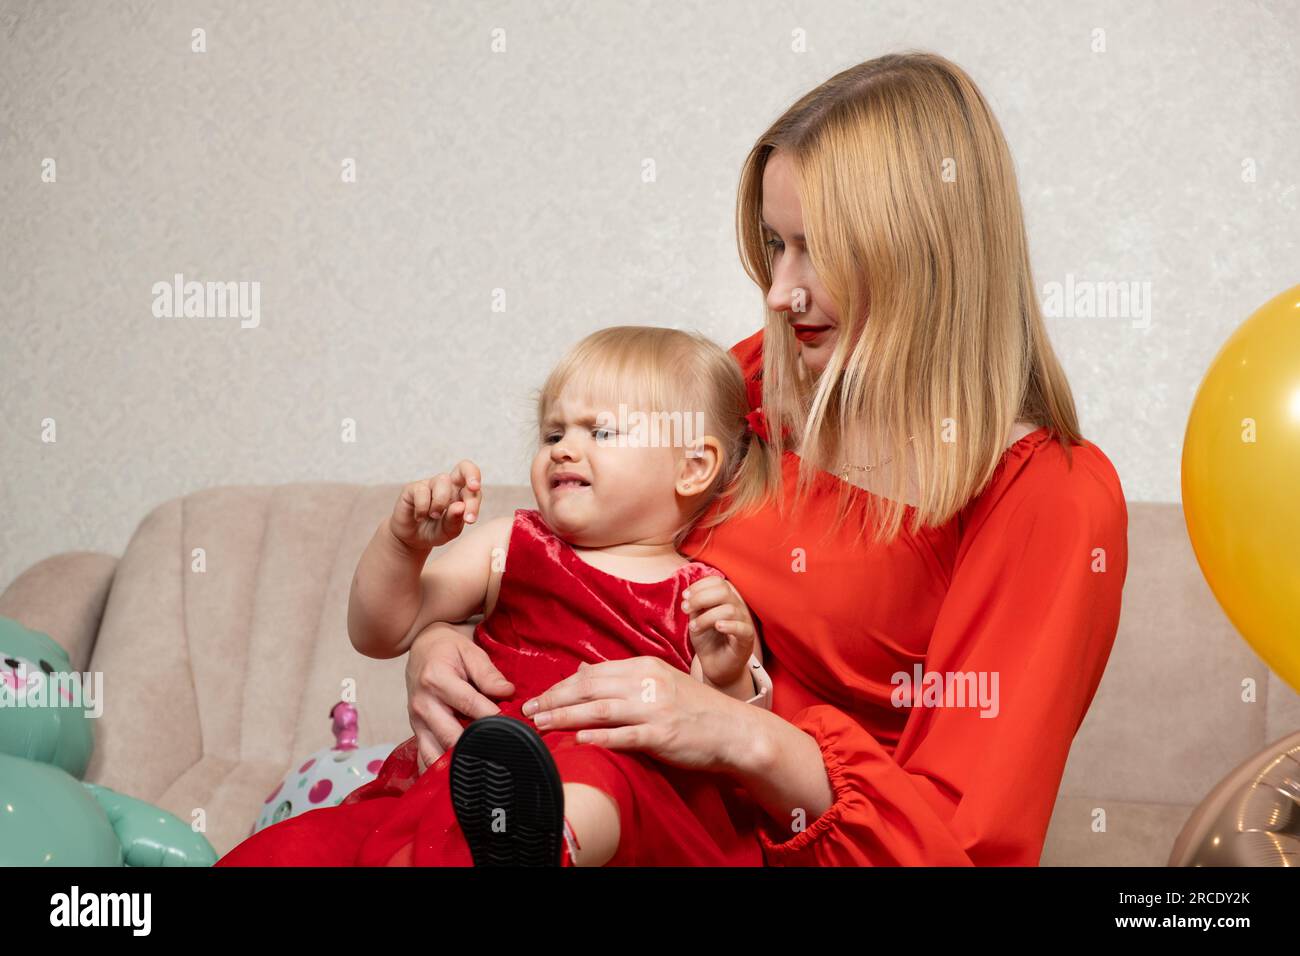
{"x": 644, "y": 703}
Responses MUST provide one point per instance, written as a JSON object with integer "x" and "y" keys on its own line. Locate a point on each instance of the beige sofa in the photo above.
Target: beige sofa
{"x": 216, "y": 682}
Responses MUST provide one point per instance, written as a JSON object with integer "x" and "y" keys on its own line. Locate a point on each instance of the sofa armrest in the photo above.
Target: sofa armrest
{"x": 63, "y": 596}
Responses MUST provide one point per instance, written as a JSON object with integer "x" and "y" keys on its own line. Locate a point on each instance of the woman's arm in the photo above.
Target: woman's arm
{"x": 781, "y": 767}
{"x": 1030, "y": 615}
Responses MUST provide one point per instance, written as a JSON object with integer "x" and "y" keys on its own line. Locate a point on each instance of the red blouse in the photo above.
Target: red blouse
{"x": 999, "y": 622}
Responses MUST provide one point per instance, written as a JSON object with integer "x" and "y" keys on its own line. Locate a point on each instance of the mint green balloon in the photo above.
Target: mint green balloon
{"x": 48, "y": 816}
{"x": 60, "y": 736}
{"x": 34, "y": 794}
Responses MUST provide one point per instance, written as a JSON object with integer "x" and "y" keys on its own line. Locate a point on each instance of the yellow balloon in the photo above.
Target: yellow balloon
{"x": 1241, "y": 481}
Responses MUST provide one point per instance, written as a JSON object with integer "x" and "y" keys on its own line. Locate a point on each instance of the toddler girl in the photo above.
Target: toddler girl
{"x": 638, "y": 429}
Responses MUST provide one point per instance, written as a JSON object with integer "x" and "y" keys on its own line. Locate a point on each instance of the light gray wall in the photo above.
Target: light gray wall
{"x": 522, "y": 170}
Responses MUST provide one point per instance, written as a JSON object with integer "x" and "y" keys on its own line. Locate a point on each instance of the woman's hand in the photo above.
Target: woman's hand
{"x": 445, "y": 670}
{"x": 644, "y": 703}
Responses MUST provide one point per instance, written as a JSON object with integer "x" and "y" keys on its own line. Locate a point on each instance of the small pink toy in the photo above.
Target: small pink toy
{"x": 345, "y": 726}
{"x": 327, "y": 776}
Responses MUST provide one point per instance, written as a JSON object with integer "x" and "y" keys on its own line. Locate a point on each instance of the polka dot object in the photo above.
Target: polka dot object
{"x": 322, "y": 780}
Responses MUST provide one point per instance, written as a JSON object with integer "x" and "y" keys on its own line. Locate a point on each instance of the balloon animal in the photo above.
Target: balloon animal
{"x": 48, "y": 816}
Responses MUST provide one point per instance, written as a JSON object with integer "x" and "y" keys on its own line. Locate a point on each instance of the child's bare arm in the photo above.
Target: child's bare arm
{"x": 386, "y": 593}
{"x": 393, "y": 600}
{"x": 454, "y": 585}
{"x": 742, "y": 688}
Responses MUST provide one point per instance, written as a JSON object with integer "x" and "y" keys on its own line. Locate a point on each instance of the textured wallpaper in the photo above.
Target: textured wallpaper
{"x": 408, "y": 211}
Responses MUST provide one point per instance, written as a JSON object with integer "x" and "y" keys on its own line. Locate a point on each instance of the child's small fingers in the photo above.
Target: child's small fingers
{"x": 735, "y": 628}
{"x": 441, "y": 496}
{"x": 710, "y": 618}
{"x": 466, "y": 484}
{"x": 469, "y": 501}
{"x": 455, "y": 515}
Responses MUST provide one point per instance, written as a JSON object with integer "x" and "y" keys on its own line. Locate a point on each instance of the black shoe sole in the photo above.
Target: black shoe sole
{"x": 507, "y": 794}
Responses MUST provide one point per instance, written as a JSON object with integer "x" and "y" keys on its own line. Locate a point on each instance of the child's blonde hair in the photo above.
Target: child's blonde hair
{"x": 664, "y": 371}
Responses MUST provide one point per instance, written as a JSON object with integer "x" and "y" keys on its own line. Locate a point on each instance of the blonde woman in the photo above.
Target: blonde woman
{"x": 933, "y": 554}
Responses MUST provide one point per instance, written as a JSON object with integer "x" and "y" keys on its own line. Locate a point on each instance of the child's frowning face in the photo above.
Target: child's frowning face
{"x": 597, "y": 488}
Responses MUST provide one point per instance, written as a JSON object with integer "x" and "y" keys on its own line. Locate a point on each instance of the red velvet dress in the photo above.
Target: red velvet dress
{"x": 553, "y": 612}
{"x": 1023, "y": 583}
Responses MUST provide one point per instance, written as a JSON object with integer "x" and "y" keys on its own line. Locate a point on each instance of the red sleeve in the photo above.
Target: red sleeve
{"x": 749, "y": 355}
{"x": 1028, "y": 602}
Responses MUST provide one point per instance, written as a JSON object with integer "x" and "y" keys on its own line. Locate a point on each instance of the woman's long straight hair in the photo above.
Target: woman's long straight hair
{"x": 914, "y": 227}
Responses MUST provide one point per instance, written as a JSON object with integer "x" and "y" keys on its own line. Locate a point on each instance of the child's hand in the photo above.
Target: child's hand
{"x": 722, "y": 630}
{"x": 431, "y": 512}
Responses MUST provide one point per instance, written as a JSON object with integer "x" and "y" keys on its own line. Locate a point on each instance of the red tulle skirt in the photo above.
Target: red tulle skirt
{"x": 667, "y": 816}
{"x": 553, "y": 613}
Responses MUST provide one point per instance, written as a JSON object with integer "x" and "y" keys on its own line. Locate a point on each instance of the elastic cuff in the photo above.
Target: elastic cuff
{"x": 794, "y": 851}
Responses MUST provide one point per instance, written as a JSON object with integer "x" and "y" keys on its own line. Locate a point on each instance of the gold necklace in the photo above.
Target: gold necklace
{"x": 846, "y": 467}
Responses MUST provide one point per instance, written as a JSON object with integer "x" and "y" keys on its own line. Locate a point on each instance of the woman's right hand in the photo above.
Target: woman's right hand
{"x": 433, "y": 511}
{"x": 445, "y": 672}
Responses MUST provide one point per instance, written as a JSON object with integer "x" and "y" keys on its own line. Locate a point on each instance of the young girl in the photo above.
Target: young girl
{"x": 623, "y": 468}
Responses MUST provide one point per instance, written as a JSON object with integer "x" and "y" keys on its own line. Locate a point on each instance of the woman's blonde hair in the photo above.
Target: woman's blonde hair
{"x": 669, "y": 374}
{"x": 914, "y": 227}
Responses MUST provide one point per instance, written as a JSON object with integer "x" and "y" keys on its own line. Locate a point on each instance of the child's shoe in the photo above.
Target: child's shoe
{"x": 507, "y": 795}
